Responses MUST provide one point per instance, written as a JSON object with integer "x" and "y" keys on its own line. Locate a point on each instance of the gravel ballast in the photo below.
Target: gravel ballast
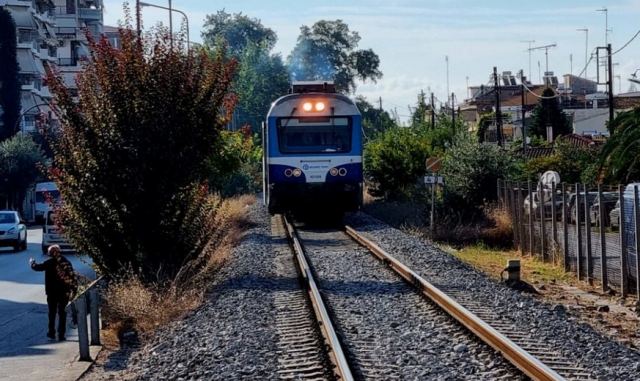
{"x": 389, "y": 331}
{"x": 604, "y": 358}
{"x": 233, "y": 335}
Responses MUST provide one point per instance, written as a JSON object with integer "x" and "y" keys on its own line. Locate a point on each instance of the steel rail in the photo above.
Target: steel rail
{"x": 520, "y": 358}
{"x": 343, "y": 371}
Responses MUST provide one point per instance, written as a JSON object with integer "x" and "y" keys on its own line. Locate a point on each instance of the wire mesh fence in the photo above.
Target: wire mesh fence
{"x": 594, "y": 231}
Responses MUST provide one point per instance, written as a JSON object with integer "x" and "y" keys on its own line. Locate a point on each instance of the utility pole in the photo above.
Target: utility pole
{"x": 571, "y": 63}
{"x": 586, "y": 48}
{"x": 498, "y": 117}
{"x": 380, "y": 103}
{"x": 453, "y": 113}
{"x": 138, "y": 16}
{"x": 530, "y": 42}
{"x": 170, "y": 25}
{"x": 610, "y": 83}
{"x": 433, "y": 112}
{"x": 524, "y": 124}
{"x": 446, "y": 58}
{"x": 546, "y": 53}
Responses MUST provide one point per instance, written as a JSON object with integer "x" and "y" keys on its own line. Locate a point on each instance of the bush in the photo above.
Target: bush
{"x": 395, "y": 161}
{"x": 471, "y": 171}
{"x": 573, "y": 164}
{"x": 236, "y": 168}
{"x": 132, "y": 152}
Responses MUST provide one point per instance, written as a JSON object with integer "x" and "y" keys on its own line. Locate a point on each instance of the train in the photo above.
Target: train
{"x": 312, "y": 152}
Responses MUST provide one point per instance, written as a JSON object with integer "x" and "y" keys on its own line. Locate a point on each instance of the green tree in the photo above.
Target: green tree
{"x": 620, "y": 157}
{"x": 9, "y": 84}
{"x": 236, "y": 167}
{"x": 236, "y": 32}
{"x": 262, "y": 77}
{"x": 421, "y": 115}
{"x": 132, "y": 153}
{"x": 573, "y": 164}
{"x": 20, "y": 159}
{"x": 395, "y": 161}
{"x": 328, "y": 51}
{"x": 374, "y": 120}
{"x": 548, "y": 113}
{"x": 471, "y": 170}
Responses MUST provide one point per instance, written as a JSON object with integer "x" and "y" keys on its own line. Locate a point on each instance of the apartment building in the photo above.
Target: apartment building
{"x": 50, "y": 32}
{"x": 36, "y": 48}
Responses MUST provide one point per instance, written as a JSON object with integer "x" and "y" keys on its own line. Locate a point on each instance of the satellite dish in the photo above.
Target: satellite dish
{"x": 546, "y": 184}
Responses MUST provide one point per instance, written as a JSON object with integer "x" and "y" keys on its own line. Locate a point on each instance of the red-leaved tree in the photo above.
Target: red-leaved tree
{"x": 133, "y": 148}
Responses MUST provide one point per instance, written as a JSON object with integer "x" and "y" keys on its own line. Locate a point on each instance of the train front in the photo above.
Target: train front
{"x": 313, "y": 152}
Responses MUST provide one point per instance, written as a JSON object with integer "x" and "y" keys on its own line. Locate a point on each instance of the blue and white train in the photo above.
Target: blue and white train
{"x": 312, "y": 142}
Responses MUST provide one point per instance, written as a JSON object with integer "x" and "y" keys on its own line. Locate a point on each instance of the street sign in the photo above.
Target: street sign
{"x": 433, "y": 164}
{"x": 433, "y": 180}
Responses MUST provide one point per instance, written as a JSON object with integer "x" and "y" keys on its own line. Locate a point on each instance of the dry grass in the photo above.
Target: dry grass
{"x": 131, "y": 305}
{"x": 492, "y": 262}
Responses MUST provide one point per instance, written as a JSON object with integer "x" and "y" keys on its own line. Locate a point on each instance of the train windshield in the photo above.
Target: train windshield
{"x": 314, "y": 135}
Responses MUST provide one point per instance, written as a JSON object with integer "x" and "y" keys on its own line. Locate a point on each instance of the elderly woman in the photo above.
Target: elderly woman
{"x": 60, "y": 285}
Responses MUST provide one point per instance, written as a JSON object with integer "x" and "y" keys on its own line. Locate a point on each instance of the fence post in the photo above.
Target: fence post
{"x": 565, "y": 231}
{"x": 604, "y": 275}
{"x": 543, "y": 232}
{"x": 587, "y": 232}
{"x": 624, "y": 287}
{"x": 637, "y": 236}
{"x": 94, "y": 312}
{"x": 578, "y": 234}
{"x": 512, "y": 214}
{"x": 531, "y": 250}
{"x": 83, "y": 334}
{"x": 520, "y": 207}
{"x": 554, "y": 224}
{"x": 499, "y": 194}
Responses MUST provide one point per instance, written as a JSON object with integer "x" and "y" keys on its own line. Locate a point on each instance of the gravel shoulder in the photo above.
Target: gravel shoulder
{"x": 606, "y": 359}
{"x": 231, "y": 336}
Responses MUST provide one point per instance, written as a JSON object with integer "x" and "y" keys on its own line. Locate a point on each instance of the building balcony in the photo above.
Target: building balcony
{"x": 90, "y": 14}
{"x": 67, "y": 62}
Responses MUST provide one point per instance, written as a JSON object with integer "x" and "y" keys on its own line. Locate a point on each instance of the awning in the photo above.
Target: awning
{"x": 23, "y": 18}
{"x": 28, "y": 103}
{"x": 27, "y": 62}
{"x": 31, "y": 103}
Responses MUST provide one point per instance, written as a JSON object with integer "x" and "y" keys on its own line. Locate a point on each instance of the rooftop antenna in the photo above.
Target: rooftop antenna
{"x": 546, "y": 53}
{"x": 586, "y": 48}
{"x": 530, "y": 42}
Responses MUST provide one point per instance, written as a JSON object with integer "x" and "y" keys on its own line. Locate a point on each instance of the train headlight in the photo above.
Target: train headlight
{"x": 297, "y": 172}
{"x": 320, "y": 106}
{"x": 342, "y": 171}
{"x": 288, "y": 172}
{"x": 333, "y": 172}
{"x": 307, "y": 106}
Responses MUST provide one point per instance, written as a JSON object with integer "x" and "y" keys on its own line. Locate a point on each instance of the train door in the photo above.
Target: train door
{"x": 265, "y": 165}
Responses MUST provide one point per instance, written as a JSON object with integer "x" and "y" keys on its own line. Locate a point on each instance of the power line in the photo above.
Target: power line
{"x": 628, "y": 42}
{"x": 539, "y": 96}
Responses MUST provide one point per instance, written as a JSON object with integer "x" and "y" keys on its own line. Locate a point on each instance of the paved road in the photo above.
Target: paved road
{"x": 25, "y": 351}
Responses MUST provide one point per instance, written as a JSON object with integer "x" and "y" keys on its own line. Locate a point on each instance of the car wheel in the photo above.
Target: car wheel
{"x": 24, "y": 244}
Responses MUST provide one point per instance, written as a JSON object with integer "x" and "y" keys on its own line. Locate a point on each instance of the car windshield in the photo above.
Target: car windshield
{"x": 7, "y": 218}
{"x": 314, "y": 135}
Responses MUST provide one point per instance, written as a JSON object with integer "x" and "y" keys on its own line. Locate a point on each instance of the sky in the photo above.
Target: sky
{"x": 412, "y": 38}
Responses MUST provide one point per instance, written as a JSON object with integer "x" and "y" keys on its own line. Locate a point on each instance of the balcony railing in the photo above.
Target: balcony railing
{"x": 67, "y": 62}
{"x": 90, "y": 14}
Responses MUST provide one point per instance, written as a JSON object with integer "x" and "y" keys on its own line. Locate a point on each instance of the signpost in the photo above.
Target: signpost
{"x": 433, "y": 165}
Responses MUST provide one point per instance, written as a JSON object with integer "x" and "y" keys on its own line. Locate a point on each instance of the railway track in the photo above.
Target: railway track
{"x": 359, "y": 347}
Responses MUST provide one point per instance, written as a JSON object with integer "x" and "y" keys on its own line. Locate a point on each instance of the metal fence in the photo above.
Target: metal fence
{"x": 593, "y": 231}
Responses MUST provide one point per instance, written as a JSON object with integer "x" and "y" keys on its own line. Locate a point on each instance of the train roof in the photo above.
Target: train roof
{"x": 341, "y": 104}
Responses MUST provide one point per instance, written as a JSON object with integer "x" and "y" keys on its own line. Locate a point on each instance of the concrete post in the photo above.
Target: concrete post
{"x": 83, "y": 334}
{"x": 94, "y": 310}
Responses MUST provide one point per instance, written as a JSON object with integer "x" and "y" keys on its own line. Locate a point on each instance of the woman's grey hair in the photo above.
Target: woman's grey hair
{"x": 53, "y": 248}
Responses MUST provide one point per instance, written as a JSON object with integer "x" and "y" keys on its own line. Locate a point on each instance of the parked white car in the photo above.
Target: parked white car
{"x": 13, "y": 232}
{"x": 52, "y": 236}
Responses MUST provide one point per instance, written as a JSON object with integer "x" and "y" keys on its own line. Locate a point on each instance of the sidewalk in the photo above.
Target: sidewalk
{"x": 43, "y": 359}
